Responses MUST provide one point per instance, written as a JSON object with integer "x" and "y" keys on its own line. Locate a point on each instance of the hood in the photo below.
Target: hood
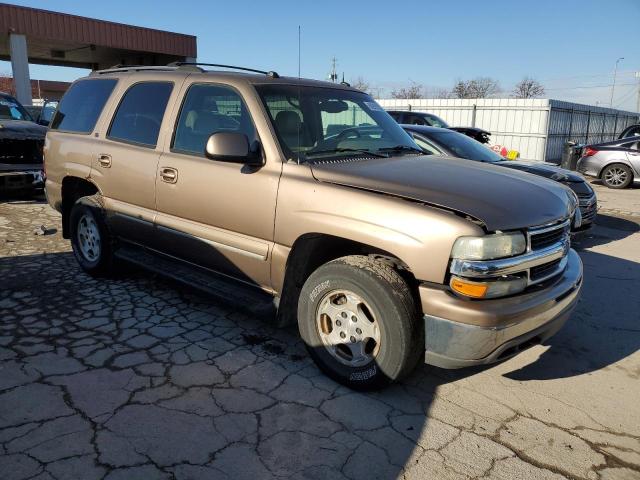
{"x": 544, "y": 170}
{"x": 21, "y": 130}
{"x": 502, "y": 199}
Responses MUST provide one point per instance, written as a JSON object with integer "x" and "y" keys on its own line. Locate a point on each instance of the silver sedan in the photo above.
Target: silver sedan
{"x": 617, "y": 163}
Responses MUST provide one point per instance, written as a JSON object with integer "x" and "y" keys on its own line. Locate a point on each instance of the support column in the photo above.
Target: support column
{"x": 20, "y": 67}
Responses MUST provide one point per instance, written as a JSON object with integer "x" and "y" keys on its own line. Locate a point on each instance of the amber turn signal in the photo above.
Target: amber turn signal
{"x": 469, "y": 289}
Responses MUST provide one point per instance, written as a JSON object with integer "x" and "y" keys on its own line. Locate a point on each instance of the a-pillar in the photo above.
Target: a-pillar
{"x": 20, "y": 67}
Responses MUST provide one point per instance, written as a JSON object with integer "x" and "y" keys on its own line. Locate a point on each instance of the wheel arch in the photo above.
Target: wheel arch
{"x": 72, "y": 189}
{"x": 617, "y": 161}
{"x": 310, "y": 251}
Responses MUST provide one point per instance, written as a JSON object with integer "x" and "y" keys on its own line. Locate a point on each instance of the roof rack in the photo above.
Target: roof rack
{"x": 125, "y": 68}
{"x": 270, "y": 73}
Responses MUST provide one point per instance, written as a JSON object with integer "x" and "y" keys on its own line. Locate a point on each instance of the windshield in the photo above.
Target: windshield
{"x": 316, "y": 122}
{"x": 10, "y": 109}
{"x": 465, "y": 147}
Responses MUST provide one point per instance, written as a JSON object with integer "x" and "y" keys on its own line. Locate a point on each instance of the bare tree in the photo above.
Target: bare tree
{"x": 528, "y": 88}
{"x": 361, "y": 84}
{"x": 415, "y": 90}
{"x": 479, "y": 87}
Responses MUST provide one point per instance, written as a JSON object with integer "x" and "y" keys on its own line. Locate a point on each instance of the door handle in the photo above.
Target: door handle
{"x": 169, "y": 175}
{"x": 104, "y": 160}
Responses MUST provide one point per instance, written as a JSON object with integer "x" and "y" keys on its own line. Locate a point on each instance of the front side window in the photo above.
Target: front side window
{"x": 81, "y": 106}
{"x": 426, "y": 145}
{"x": 139, "y": 115}
{"x": 208, "y": 109}
{"x": 314, "y": 122}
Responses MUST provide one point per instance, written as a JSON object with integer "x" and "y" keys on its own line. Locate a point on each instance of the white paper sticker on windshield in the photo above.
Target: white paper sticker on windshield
{"x": 374, "y": 106}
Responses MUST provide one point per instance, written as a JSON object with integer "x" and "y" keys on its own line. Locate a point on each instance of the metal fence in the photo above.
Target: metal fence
{"x": 537, "y": 128}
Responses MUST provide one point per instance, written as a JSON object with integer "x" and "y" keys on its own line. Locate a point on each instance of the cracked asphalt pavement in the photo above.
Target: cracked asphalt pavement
{"x": 136, "y": 377}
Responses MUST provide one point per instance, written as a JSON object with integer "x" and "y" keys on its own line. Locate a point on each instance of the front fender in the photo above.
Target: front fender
{"x": 420, "y": 235}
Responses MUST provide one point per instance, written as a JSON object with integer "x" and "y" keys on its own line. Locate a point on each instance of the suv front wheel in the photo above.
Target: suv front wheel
{"x": 359, "y": 322}
{"x": 90, "y": 238}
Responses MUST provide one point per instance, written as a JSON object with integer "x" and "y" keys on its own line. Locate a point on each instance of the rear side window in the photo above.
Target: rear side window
{"x": 81, "y": 106}
{"x": 140, "y": 113}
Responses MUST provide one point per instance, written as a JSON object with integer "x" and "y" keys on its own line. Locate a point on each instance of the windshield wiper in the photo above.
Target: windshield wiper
{"x": 347, "y": 150}
{"x": 402, "y": 148}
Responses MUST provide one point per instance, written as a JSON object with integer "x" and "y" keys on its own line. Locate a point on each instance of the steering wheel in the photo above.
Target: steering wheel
{"x": 344, "y": 133}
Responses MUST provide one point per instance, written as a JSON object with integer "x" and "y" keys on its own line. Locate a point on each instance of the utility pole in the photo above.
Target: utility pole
{"x": 638, "y": 101}
{"x": 333, "y": 76}
{"x": 613, "y": 86}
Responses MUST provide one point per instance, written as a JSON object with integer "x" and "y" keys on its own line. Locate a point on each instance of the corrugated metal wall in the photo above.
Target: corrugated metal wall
{"x": 537, "y": 128}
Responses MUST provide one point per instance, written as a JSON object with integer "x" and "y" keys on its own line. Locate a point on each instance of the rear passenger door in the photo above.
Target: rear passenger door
{"x": 215, "y": 214}
{"x": 126, "y": 158}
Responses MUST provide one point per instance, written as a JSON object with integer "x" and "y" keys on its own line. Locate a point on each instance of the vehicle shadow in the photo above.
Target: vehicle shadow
{"x": 597, "y": 181}
{"x": 604, "y": 327}
{"x": 608, "y": 229}
{"x": 21, "y": 196}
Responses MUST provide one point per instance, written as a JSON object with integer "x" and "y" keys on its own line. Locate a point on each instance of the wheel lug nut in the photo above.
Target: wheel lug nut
{"x": 338, "y": 322}
{"x": 353, "y": 339}
{"x": 344, "y": 314}
{"x": 354, "y": 318}
{"x": 342, "y": 335}
{"x": 358, "y": 331}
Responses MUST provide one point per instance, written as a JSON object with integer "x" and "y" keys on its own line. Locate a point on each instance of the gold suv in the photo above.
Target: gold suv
{"x": 305, "y": 198}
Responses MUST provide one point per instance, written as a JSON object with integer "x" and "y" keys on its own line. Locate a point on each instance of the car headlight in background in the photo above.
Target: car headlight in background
{"x": 488, "y": 247}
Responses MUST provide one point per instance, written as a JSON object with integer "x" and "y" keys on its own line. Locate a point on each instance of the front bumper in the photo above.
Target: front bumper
{"x": 21, "y": 178}
{"x": 461, "y": 333}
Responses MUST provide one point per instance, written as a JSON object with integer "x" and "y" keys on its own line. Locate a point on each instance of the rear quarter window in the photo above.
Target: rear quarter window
{"x": 82, "y": 105}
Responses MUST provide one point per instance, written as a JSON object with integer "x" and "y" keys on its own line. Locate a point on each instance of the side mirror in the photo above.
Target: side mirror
{"x": 231, "y": 147}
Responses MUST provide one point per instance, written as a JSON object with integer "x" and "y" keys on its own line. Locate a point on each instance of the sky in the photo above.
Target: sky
{"x": 570, "y": 46}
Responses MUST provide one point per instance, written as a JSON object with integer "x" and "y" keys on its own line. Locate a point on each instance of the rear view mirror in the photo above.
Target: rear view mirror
{"x": 333, "y": 106}
{"x": 231, "y": 147}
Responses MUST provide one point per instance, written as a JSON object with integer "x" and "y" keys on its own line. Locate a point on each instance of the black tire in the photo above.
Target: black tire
{"x": 89, "y": 208}
{"x": 390, "y": 300}
{"x": 610, "y": 179}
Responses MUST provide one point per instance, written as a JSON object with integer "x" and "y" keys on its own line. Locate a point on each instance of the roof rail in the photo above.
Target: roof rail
{"x": 126, "y": 68}
{"x": 270, "y": 73}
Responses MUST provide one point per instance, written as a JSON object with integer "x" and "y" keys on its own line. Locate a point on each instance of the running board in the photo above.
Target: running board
{"x": 227, "y": 290}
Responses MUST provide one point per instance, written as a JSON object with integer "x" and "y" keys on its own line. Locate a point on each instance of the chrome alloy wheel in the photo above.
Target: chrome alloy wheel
{"x": 615, "y": 176}
{"x": 348, "y": 329}
{"x": 88, "y": 238}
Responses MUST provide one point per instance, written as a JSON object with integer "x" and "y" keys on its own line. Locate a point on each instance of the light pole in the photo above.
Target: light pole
{"x": 613, "y": 86}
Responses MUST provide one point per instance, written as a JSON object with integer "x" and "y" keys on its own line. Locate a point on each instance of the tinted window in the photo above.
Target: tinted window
{"x": 426, "y": 145}
{"x": 208, "y": 109}
{"x": 10, "y": 109}
{"x": 81, "y": 106}
{"x": 140, "y": 113}
{"x": 464, "y": 147}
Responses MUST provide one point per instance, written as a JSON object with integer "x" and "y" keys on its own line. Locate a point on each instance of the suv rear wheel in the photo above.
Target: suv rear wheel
{"x": 617, "y": 176}
{"x": 359, "y": 322}
{"x": 90, "y": 238}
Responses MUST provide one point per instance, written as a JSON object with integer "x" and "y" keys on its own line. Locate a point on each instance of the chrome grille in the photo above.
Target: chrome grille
{"x": 544, "y": 271}
{"x": 543, "y": 237}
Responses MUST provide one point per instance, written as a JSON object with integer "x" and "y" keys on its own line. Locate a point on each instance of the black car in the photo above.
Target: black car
{"x": 21, "y": 142}
{"x": 439, "y": 141}
{"x": 431, "y": 120}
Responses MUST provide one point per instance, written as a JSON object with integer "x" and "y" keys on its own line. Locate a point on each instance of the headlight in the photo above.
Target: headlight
{"x": 499, "y": 245}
